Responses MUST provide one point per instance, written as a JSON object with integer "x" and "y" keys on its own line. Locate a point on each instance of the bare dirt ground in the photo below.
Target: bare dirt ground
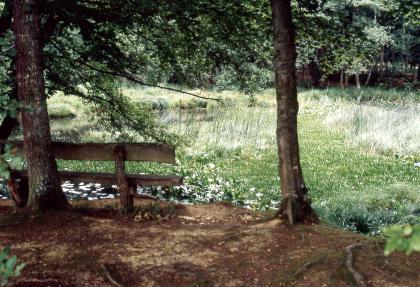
{"x": 202, "y": 245}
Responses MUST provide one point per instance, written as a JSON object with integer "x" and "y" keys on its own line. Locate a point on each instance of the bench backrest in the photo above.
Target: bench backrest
{"x": 97, "y": 151}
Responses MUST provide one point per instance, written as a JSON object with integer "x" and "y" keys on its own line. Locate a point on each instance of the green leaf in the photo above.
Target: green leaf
{"x": 6, "y": 250}
{"x": 10, "y": 264}
{"x": 19, "y": 268}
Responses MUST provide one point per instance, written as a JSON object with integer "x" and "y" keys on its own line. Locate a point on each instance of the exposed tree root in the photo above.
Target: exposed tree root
{"x": 145, "y": 196}
{"x": 357, "y": 277}
{"x": 306, "y": 266}
{"x": 110, "y": 278}
{"x": 386, "y": 274}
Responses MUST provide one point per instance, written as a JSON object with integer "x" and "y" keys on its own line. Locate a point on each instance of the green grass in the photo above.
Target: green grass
{"x": 60, "y": 106}
{"x": 354, "y": 189}
{"x": 230, "y": 153}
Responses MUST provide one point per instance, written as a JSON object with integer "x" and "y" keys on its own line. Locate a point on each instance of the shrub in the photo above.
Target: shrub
{"x": 404, "y": 238}
{"x": 8, "y": 266}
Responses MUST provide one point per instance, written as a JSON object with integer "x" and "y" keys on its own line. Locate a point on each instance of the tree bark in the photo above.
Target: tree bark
{"x": 295, "y": 206}
{"x": 45, "y": 191}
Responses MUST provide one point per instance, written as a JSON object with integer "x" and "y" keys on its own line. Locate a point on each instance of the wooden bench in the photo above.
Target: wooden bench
{"x": 127, "y": 183}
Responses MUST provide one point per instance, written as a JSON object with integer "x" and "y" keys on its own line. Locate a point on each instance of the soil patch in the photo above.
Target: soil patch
{"x": 195, "y": 245}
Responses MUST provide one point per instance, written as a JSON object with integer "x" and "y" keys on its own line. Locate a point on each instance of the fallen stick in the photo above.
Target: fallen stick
{"x": 109, "y": 277}
{"x": 357, "y": 277}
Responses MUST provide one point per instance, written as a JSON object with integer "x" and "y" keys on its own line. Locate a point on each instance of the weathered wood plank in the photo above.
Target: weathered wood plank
{"x": 98, "y": 151}
{"x": 109, "y": 178}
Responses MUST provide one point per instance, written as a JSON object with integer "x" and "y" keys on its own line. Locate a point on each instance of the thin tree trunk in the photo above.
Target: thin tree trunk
{"x": 315, "y": 71}
{"x": 382, "y": 59}
{"x": 18, "y": 190}
{"x": 342, "y": 78}
{"x": 44, "y": 185}
{"x": 357, "y": 76}
{"x": 346, "y": 80}
{"x": 369, "y": 76}
{"x": 381, "y": 62}
{"x": 295, "y": 206}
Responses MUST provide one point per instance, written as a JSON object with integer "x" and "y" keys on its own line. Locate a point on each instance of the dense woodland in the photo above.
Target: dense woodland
{"x": 298, "y": 118}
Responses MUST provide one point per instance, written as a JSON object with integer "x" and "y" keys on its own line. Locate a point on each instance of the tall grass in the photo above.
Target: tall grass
{"x": 348, "y": 138}
{"x": 367, "y": 95}
{"x": 379, "y": 129}
{"x": 226, "y": 129}
{"x": 60, "y": 106}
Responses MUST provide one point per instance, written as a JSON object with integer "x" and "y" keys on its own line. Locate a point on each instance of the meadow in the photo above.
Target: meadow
{"x": 360, "y": 150}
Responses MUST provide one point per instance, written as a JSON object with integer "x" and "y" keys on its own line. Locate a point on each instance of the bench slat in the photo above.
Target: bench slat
{"x": 94, "y": 151}
{"x": 109, "y": 178}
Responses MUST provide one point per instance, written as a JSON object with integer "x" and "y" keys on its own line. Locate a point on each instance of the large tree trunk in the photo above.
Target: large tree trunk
{"x": 44, "y": 185}
{"x": 295, "y": 206}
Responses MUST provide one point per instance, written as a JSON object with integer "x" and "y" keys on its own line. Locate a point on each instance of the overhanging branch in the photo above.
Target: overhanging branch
{"x": 133, "y": 78}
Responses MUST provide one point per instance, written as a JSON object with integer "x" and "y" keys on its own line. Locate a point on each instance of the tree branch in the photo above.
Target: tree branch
{"x": 131, "y": 77}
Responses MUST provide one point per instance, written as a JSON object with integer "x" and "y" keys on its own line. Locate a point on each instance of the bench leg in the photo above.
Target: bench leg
{"x": 130, "y": 200}
{"x": 126, "y": 199}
